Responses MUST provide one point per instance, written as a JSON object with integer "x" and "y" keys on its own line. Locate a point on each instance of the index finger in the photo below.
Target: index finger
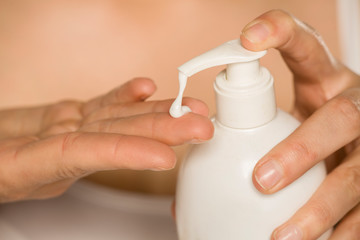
{"x": 301, "y": 46}
{"x": 327, "y": 130}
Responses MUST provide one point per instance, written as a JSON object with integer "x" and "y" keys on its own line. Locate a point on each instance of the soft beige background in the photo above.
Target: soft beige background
{"x": 57, "y": 49}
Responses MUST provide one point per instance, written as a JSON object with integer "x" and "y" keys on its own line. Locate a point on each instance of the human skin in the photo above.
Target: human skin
{"x": 50, "y": 52}
{"x": 43, "y": 150}
{"x": 327, "y": 101}
{"x": 298, "y": 75}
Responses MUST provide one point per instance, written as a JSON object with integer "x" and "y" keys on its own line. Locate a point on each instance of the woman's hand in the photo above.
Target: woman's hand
{"x": 44, "y": 150}
{"x": 328, "y": 103}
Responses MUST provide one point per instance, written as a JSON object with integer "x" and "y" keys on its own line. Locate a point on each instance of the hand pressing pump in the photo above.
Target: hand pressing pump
{"x": 215, "y": 198}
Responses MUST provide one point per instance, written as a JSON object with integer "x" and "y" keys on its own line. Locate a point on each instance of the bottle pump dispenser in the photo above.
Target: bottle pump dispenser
{"x": 215, "y": 196}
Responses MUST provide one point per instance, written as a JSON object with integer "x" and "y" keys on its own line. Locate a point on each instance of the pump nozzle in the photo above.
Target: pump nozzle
{"x": 243, "y": 77}
{"x": 227, "y": 53}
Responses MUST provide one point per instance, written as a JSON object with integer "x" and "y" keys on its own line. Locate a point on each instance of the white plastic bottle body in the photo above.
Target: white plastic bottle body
{"x": 216, "y": 198}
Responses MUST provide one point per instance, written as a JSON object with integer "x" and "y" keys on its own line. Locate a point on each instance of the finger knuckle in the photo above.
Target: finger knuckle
{"x": 67, "y": 169}
{"x": 62, "y": 127}
{"x": 322, "y": 213}
{"x": 302, "y": 150}
{"x": 353, "y": 94}
{"x": 348, "y": 108}
{"x": 66, "y": 143}
{"x": 62, "y": 111}
{"x": 69, "y": 172}
{"x": 351, "y": 178}
{"x": 292, "y": 26}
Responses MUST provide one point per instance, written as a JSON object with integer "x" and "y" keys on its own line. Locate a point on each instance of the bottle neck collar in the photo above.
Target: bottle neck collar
{"x": 246, "y": 106}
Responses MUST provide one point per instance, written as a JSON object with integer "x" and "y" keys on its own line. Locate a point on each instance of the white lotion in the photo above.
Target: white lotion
{"x": 215, "y": 196}
{"x": 176, "y": 109}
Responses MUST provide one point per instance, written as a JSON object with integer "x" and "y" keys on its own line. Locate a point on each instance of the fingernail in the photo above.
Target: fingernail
{"x": 269, "y": 174}
{"x": 291, "y": 232}
{"x": 256, "y": 32}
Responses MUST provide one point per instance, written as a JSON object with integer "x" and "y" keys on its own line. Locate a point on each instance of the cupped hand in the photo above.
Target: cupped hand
{"x": 328, "y": 104}
{"x": 43, "y": 150}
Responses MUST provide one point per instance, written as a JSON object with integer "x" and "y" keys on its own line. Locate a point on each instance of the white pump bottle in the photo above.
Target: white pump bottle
{"x": 215, "y": 198}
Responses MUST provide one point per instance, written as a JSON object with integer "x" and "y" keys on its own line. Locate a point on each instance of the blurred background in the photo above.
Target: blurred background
{"x": 52, "y": 50}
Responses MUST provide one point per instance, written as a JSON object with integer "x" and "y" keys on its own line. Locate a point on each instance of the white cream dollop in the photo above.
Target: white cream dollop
{"x": 176, "y": 109}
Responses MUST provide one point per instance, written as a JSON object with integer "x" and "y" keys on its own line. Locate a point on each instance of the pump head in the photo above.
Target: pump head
{"x": 227, "y": 53}
{"x": 236, "y": 87}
